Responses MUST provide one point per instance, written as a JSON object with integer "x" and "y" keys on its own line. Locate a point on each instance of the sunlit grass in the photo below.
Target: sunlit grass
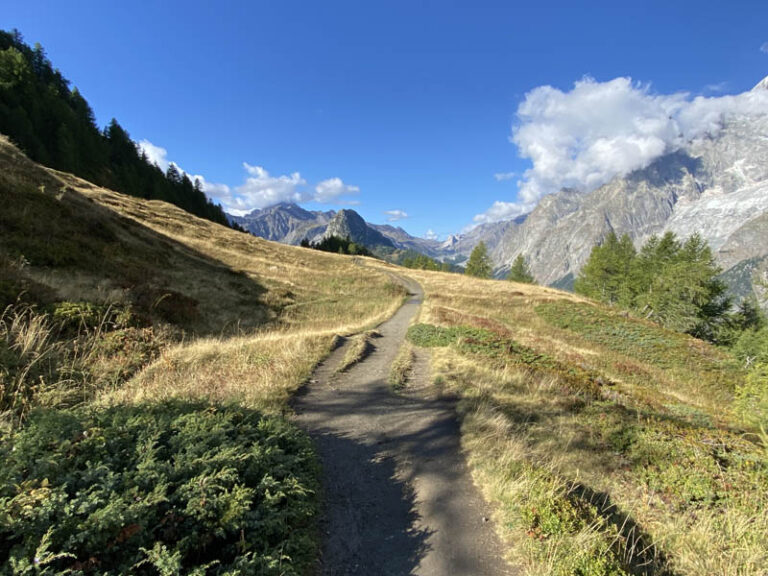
{"x": 645, "y": 470}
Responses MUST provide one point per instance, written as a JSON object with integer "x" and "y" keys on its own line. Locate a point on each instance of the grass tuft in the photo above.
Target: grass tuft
{"x": 401, "y": 367}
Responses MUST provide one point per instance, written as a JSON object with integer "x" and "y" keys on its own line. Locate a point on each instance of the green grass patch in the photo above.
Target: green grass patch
{"x": 503, "y": 351}
{"x": 638, "y": 339}
{"x": 166, "y": 488}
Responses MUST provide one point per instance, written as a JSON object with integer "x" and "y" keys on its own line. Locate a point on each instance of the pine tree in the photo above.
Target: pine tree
{"x": 520, "y": 272}
{"x": 479, "y": 264}
{"x": 606, "y": 275}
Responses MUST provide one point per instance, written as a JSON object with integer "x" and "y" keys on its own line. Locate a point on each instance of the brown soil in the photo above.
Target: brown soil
{"x": 398, "y": 496}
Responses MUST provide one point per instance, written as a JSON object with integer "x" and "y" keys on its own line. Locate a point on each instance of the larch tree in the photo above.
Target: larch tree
{"x": 479, "y": 264}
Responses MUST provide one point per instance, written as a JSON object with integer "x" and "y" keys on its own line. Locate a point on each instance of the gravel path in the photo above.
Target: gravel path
{"x": 398, "y": 496}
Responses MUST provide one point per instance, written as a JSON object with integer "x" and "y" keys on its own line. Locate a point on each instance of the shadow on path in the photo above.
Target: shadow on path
{"x": 398, "y": 495}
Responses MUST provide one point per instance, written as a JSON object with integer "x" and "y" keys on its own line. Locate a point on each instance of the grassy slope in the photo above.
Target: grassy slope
{"x": 260, "y": 314}
{"x": 119, "y": 302}
{"x": 608, "y": 443}
{"x": 597, "y": 435}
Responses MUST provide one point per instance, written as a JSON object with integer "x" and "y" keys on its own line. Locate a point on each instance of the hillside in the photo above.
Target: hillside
{"x": 605, "y": 444}
{"x": 54, "y": 125}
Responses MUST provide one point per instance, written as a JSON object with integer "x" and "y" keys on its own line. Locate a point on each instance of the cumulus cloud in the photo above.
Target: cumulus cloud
{"x": 261, "y": 189}
{"x": 395, "y": 215}
{"x": 332, "y": 190}
{"x": 155, "y": 154}
{"x": 159, "y": 156}
{"x": 502, "y": 211}
{"x": 597, "y": 131}
{"x": 430, "y": 235}
{"x": 764, "y": 48}
{"x": 501, "y": 176}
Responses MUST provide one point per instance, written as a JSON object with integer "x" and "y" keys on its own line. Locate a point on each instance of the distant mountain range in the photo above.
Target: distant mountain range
{"x": 290, "y": 224}
{"x": 716, "y": 185}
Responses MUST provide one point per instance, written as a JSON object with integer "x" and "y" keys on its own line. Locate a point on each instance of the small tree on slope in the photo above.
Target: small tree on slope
{"x": 520, "y": 272}
{"x": 479, "y": 264}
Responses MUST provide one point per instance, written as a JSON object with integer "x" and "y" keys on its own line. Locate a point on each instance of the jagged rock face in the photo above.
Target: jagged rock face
{"x": 286, "y": 223}
{"x": 716, "y": 185}
{"x": 349, "y": 224}
{"x": 558, "y": 236}
{"x": 290, "y": 224}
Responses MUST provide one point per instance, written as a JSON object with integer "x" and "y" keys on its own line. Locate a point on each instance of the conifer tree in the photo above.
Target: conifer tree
{"x": 520, "y": 272}
{"x": 606, "y": 275}
{"x": 479, "y": 264}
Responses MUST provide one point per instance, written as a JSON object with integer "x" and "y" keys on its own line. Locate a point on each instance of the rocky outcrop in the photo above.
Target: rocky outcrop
{"x": 349, "y": 224}
{"x": 286, "y": 223}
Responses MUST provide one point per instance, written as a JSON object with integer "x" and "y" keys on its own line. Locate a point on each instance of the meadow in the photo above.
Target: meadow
{"x": 610, "y": 445}
{"x": 148, "y": 359}
{"x": 157, "y": 352}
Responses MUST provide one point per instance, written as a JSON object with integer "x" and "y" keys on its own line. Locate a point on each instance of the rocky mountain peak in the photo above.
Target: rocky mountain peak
{"x": 349, "y": 224}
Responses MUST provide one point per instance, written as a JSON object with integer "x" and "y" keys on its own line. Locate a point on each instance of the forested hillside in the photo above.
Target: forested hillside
{"x": 54, "y": 125}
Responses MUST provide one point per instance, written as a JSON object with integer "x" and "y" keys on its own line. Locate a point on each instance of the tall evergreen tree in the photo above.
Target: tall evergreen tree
{"x": 673, "y": 283}
{"x": 479, "y": 264}
{"x": 520, "y": 272}
{"x": 606, "y": 274}
{"x": 55, "y": 126}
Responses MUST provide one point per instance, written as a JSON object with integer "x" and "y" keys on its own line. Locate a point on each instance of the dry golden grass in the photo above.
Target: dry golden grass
{"x": 360, "y": 346}
{"x": 656, "y": 467}
{"x": 260, "y": 372}
{"x": 401, "y": 367}
{"x": 250, "y": 317}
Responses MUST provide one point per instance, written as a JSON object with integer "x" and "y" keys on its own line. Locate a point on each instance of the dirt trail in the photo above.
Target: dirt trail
{"x": 397, "y": 492}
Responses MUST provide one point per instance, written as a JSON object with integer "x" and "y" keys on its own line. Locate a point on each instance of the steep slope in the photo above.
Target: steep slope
{"x": 349, "y": 224}
{"x": 289, "y": 224}
{"x": 404, "y": 241}
{"x": 76, "y": 241}
{"x": 715, "y": 185}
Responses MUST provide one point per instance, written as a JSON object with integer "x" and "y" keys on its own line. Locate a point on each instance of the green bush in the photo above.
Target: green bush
{"x": 751, "y": 402}
{"x": 752, "y": 347}
{"x": 171, "y": 488}
{"x": 75, "y": 317}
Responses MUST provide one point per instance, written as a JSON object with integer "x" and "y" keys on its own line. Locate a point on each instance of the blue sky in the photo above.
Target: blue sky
{"x": 398, "y": 106}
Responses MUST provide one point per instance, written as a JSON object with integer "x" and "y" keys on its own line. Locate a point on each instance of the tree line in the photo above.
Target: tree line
{"x": 337, "y": 245}
{"x": 479, "y": 265}
{"x": 671, "y": 281}
{"x": 55, "y": 126}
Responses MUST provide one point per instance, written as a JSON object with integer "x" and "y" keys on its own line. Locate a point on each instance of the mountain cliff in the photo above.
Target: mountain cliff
{"x": 349, "y": 224}
{"x": 716, "y": 185}
{"x": 285, "y": 222}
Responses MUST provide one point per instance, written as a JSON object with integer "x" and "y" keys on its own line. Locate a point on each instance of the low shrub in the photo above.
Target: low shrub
{"x": 751, "y": 402}
{"x": 171, "y": 488}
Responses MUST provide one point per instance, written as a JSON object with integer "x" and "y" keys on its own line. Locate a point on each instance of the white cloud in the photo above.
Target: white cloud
{"x": 430, "y": 235}
{"x": 159, "y": 156}
{"x": 597, "y": 131}
{"x": 395, "y": 215}
{"x": 502, "y": 211}
{"x": 260, "y": 190}
{"x": 716, "y": 88}
{"x": 214, "y": 190}
{"x": 501, "y": 176}
{"x": 332, "y": 190}
{"x": 155, "y": 154}
{"x": 764, "y": 48}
